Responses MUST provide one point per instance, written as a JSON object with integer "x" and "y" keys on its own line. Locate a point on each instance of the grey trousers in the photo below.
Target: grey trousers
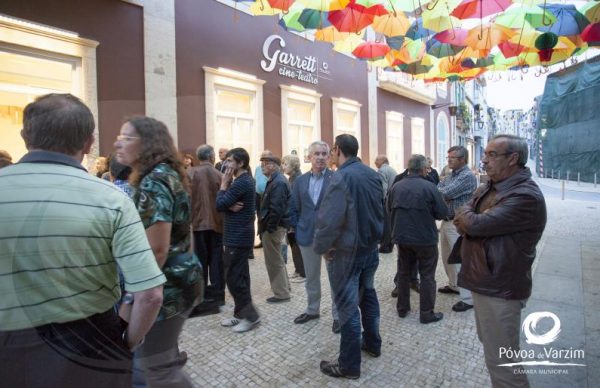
{"x": 498, "y": 326}
{"x": 448, "y": 236}
{"x": 159, "y": 357}
{"x": 312, "y": 268}
{"x": 278, "y": 276}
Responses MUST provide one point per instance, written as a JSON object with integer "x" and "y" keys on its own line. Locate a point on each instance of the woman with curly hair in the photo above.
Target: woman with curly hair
{"x": 161, "y": 196}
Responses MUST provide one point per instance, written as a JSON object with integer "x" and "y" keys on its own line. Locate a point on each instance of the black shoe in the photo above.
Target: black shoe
{"x": 447, "y": 290}
{"x": 431, "y": 317}
{"x": 332, "y": 368}
{"x": 415, "y": 286}
{"x": 336, "y": 327}
{"x": 258, "y": 246}
{"x": 277, "y": 300}
{"x": 251, "y": 256}
{"x": 403, "y": 313}
{"x": 204, "y": 309}
{"x": 461, "y": 306}
{"x": 395, "y": 292}
{"x": 303, "y": 318}
{"x": 385, "y": 250}
{"x": 371, "y": 353}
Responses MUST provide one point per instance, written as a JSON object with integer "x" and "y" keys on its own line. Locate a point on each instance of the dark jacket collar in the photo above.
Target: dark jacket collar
{"x": 521, "y": 175}
{"x": 350, "y": 161}
{"x": 51, "y": 157}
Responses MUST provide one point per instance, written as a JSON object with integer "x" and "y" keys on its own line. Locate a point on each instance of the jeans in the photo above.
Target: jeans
{"x": 237, "y": 277}
{"x": 208, "y": 246}
{"x": 352, "y": 282}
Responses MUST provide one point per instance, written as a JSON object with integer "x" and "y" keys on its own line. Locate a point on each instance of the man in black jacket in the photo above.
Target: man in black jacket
{"x": 416, "y": 204}
{"x": 501, "y": 226}
{"x": 274, "y": 220}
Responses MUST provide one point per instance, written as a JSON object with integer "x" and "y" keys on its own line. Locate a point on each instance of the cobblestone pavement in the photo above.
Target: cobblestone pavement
{"x": 281, "y": 353}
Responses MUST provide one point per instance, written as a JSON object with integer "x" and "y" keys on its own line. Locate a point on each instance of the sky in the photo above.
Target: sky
{"x": 514, "y": 90}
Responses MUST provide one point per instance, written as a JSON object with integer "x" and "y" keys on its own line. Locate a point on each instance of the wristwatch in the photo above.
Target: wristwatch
{"x": 134, "y": 348}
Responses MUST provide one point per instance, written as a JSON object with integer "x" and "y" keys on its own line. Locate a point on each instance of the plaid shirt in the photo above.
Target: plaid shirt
{"x": 457, "y": 188}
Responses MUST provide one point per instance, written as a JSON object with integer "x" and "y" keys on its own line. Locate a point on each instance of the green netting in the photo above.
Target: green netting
{"x": 570, "y": 114}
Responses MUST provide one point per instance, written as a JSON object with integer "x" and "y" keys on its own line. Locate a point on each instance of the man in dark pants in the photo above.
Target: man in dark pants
{"x": 207, "y": 224}
{"x": 236, "y": 200}
{"x": 348, "y": 229}
{"x": 416, "y": 204}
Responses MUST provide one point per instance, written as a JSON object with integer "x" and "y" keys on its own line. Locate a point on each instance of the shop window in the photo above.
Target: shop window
{"x": 234, "y": 113}
{"x": 346, "y": 118}
{"x": 417, "y": 127}
{"x": 300, "y": 121}
{"x": 394, "y": 127}
{"x": 443, "y": 136}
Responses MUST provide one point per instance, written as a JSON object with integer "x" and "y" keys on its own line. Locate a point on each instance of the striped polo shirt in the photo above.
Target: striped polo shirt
{"x": 62, "y": 234}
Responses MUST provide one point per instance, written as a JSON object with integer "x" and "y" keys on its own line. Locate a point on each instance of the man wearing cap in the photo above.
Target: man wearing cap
{"x": 273, "y": 222}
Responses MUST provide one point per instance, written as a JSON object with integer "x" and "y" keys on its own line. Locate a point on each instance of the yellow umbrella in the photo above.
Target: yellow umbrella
{"x": 438, "y": 17}
{"x": 336, "y": 5}
{"x": 263, "y": 8}
{"x": 349, "y": 44}
{"x": 391, "y": 24}
{"x": 331, "y": 34}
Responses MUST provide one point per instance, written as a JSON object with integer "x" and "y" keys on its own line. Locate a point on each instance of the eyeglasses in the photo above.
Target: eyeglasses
{"x": 494, "y": 154}
{"x": 127, "y": 138}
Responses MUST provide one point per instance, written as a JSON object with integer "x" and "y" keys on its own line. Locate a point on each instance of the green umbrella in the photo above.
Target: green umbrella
{"x": 312, "y": 18}
{"x": 534, "y": 15}
{"x": 591, "y": 10}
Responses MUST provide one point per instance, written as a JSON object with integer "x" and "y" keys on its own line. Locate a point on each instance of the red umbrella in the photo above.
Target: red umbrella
{"x": 353, "y": 18}
{"x": 371, "y": 50}
{"x": 591, "y": 33}
{"x": 510, "y": 49}
{"x": 283, "y": 5}
{"x": 479, "y": 8}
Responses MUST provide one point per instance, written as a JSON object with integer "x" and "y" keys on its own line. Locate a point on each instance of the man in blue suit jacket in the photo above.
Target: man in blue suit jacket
{"x": 306, "y": 198}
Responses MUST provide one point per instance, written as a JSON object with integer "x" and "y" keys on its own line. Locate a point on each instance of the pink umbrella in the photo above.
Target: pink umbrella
{"x": 479, "y": 8}
{"x": 455, "y": 36}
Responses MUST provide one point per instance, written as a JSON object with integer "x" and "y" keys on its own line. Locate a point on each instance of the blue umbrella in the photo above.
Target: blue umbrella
{"x": 417, "y": 31}
{"x": 439, "y": 49}
{"x": 312, "y": 18}
{"x": 395, "y": 42}
{"x": 568, "y": 20}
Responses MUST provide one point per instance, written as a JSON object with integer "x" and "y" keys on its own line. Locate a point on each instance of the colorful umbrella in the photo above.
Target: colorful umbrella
{"x": 312, "y": 18}
{"x": 456, "y": 36}
{"x": 395, "y": 42}
{"x": 490, "y": 35}
{"x": 349, "y": 44}
{"x": 517, "y": 17}
{"x": 591, "y": 10}
{"x": 591, "y": 34}
{"x": 568, "y": 20}
{"x": 263, "y": 9}
{"x": 393, "y": 24}
{"x": 417, "y": 31}
{"x": 283, "y": 5}
{"x": 353, "y": 18}
{"x": 371, "y": 50}
{"x": 331, "y": 34}
{"x": 414, "y": 68}
{"x": 438, "y": 49}
{"x": 510, "y": 49}
{"x": 479, "y": 8}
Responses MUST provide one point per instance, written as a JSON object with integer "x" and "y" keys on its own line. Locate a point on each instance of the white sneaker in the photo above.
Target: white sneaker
{"x": 294, "y": 275}
{"x": 298, "y": 279}
{"x": 245, "y": 325}
{"x": 228, "y": 322}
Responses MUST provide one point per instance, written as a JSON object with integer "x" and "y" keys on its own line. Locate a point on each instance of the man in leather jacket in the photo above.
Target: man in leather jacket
{"x": 501, "y": 227}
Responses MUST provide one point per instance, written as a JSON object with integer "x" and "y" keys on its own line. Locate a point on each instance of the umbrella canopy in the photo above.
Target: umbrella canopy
{"x": 591, "y": 10}
{"x": 479, "y": 8}
{"x": 533, "y": 15}
{"x": 438, "y": 49}
{"x": 283, "y": 5}
{"x": 330, "y": 34}
{"x": 490, "y": 35}
{"x": 456, "y": 36}
{"x": 312, "y": 18}
{"x": 395, "y": 42}
{"x": 353, "y": 18}
{"x": 418, "y": 31}
{"x": 371, "y": 50}
{"x": 568, "y": 20}
{"x": 392, "y": 24}
{"x": 510, "y": 49}
{"x": 591, "y": 34}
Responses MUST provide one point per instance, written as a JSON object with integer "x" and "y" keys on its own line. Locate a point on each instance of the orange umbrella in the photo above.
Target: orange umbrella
{"x": 391, "y": 24}
{"x": 489, "y": 36}
{"x": 330, "y": 34}
{"x": 283, "y": 5}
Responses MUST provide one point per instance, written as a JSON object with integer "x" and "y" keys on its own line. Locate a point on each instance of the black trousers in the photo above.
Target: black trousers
{"x": 296, "y": 255}
{"x": 425, "y": 257}
{"x": 386, "y": 238}
{"x": 237, "y": 277}
{"x": 84, "y": 353}
{"x": 208, "y": 246}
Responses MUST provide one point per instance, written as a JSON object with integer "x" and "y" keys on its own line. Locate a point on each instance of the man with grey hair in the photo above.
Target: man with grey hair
{"x": 501, "y": 227}
{"x": 387, "y": 174}
{"x": 457, "y": 189}
{"x": 307, "y": 194}
{"x": 207, "y": 225}
{"x": 416, "y": 204}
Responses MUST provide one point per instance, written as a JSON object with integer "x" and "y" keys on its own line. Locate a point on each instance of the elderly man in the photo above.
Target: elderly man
{"x": 387, "y": 174}
{"x": 457, "y": 189}
{"x": 307, "y": 195}
{"x": 62, "y": 234}
{"x": 501, "y": 226}
{"x": 348, "y": 229}
{"x": 207, "y": 225}
{"x": 416, "y": 204}
{"x": 273, "y": 222}
{"x": 220, "y": 166}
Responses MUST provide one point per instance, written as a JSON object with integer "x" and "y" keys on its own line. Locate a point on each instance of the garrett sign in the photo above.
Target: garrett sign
{"x": 306, "y": 69}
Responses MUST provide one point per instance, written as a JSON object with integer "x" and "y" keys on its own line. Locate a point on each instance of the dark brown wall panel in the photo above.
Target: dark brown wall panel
{"x": 212, "y": 34}
{"x": 119, "y": 28}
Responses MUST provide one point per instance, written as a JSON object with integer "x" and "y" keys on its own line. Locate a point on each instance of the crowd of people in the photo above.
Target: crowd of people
{"x": 100, "y": 271}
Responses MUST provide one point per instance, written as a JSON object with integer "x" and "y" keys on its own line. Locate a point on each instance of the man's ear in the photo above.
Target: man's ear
{"x": 88, "y": 145}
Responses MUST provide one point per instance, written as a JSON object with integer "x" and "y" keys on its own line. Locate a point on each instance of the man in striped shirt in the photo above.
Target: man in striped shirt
{"x": 62, "y": 234}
